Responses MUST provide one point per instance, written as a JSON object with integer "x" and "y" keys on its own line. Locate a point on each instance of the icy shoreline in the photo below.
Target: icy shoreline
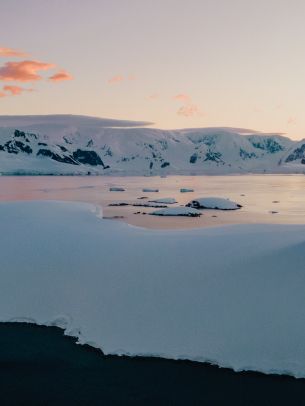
{"x": 126, "y": 290}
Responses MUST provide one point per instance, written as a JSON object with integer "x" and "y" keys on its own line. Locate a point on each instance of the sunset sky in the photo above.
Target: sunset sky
{"x": 195, "y": 63}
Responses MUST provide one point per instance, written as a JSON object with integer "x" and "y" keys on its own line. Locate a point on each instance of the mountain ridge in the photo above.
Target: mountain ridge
{"x": 79, "y": 145}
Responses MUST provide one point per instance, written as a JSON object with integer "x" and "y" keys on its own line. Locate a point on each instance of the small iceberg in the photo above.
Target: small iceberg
{"x": 217, "y": 203}
{"x": 186, "y": 190}
{"x": 116, "y": 189}
{"x": 177, "y": 211}
{"x": 164, "y": 200}
{"x": 148, "y": 190}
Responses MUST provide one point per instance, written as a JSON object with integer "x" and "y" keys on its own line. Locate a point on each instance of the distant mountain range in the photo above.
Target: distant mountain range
{"x": 72, "y": 145}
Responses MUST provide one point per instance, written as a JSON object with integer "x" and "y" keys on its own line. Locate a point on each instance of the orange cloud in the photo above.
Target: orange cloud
{"x": 116, "y": 79}
{"x": 15, "y": 90}
{"x": 24, "y": 71}
{"x": 182, "y": 97}
{"x": 60, "y": 76}
{"x": 189, "y": 110}
{"x": 12, "y": 52}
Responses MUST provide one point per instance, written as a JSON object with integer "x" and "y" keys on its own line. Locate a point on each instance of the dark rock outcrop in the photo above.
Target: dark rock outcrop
{"x": 298, "y": 153}
{"x": 87, "y": 157}
{"x": 23, "y": 147}
{"x": 56, "y": 157}
{"x": 193, "y": 158}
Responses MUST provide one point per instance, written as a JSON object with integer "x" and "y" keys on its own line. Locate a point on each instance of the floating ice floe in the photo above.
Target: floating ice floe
{"x": 178, "y": 211}
{"x": 165, "y": 200}
{"x": 116, "y": 189}
{"x": 214, "y": 203}
{"x": 148, "y": 190}
{"x": 186, "y": 190}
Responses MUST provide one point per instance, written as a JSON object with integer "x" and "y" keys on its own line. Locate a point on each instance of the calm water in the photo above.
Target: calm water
{"x": 260, "y": 195}
{"x": 41, "y": 366}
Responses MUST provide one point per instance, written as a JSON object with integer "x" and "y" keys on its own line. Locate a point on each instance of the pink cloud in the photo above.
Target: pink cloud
{"x": 116, "y": 79}
{"x": 60, "y": 76}
{"x": 120, "y": 78}
{"x": 15, "y": 90}
{"x": 189, "y": 110}
{"x": 12, "y": 52}
{"x": 182, "y": 97}
{"x": 153, "y": 96}
{"x": 24, "y": 71}
{"x": 2, "y": 94}
{"x": 291, "y": 121}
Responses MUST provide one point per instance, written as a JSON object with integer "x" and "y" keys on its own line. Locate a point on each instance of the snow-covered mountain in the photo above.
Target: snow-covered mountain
{"x": 295, "y": 156}
{"x": 67, "y": 144}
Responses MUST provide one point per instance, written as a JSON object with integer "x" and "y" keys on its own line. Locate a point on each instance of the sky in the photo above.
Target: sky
{"x": 178, "y": 64}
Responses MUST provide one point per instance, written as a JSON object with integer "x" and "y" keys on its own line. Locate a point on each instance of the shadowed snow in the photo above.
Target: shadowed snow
{"x": 230, "y": 295}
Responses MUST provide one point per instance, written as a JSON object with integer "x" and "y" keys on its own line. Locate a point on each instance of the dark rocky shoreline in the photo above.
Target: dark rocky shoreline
{"x": 41, "y": 366}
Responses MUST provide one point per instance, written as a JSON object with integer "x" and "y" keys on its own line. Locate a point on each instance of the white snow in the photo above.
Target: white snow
{"x": 178, "y": 211}
{"x": 165, "y": 200}
{"x": 230, "y": 295}
{"x": 214, "y": 203}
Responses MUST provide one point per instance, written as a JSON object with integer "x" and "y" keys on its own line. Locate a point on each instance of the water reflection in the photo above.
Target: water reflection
{"x": 265, "y": 198}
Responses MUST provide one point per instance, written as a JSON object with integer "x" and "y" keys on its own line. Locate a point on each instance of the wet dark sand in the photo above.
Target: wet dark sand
{"x": 40, "y": 366}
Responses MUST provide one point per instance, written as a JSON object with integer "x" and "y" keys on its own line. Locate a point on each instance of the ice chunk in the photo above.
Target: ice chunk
{"x": 214, "y": 203}
{"x": 186, "y": 190}
{"x": 148, "y": 190}
{"x": 116, "y": 189}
